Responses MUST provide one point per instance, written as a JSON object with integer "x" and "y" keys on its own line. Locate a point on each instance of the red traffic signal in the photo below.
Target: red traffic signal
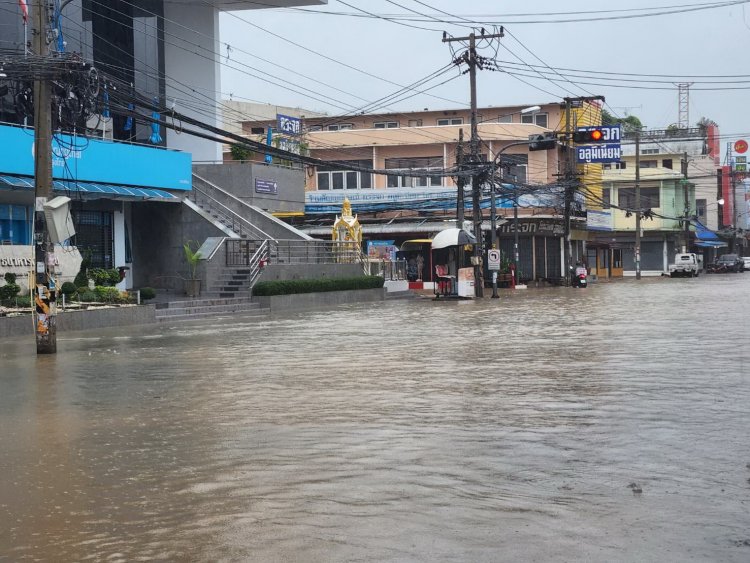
{"x": 589, "y": 135}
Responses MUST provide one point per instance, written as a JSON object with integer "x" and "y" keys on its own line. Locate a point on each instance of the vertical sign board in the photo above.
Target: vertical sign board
{"x": 608, "y": 151}
{"x": 288, "y": 127}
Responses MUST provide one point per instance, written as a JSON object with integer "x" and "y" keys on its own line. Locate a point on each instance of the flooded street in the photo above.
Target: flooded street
{"x": 515, "y": 429}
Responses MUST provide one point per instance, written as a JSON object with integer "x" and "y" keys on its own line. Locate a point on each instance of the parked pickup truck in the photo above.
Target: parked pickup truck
{"x": 685, "y": 265}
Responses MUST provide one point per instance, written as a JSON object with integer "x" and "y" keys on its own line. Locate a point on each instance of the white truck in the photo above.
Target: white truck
{"x": 685, "y": 265}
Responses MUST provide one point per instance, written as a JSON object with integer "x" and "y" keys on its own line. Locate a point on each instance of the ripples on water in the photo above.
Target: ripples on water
{"x": 500, "y": 430}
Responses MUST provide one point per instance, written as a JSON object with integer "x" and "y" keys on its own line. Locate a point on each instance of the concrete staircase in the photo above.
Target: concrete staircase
{"x": 207, "y": 307}
{"x": 232, "y": 283}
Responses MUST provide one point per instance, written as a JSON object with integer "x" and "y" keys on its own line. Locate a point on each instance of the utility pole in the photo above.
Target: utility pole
{"x": 471, "y": 59}
{"x": 733, "y": 180}
{"x": 686, "y": 192}
{"x": 568, "y": 195}
{"x": 44, "y": 288}
{"x": 460, "y": 181}
{"x": 637, "y": 205}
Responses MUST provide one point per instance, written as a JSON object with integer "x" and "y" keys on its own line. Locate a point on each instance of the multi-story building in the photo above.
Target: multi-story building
{"x": 127, "y": 183}
{"x": 678, "y": 179}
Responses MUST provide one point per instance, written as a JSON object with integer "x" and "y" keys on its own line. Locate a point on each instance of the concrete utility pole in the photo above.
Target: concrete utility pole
{"x": 460, "y": 182}
{"x": 637, "y": 248}
{"x": 471, "y": 59}
{"x": 568, "y": 196}
{"x": 45, "y": 288}
{"x": 686, "y": 192}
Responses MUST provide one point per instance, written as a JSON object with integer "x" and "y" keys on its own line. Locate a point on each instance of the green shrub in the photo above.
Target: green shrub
{"x": 9, "y": 291}
{"x": 288, "y": 287}
{"x": 106, "y": 278}
{"x": 68, "y": 289}
{"x": 10, "y": 278}
{"x": 147, "y": 293}
{"x": 107, "y": 294}
{"x": 22, "y": 301}
{"x": 81, "y": 279}
{"x": 88, "y": 296}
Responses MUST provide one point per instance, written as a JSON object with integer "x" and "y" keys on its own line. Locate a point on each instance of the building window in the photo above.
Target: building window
{"x": 605, "y": 198}
{"x": 385, "y": 125}
{"x": 649, "y": 198}
{"x": 667, "y": 163}
{"x": 451, "y": 121}
{"x": 15, "y": 224}
{"x": 649, "y": 163}
{"x": 700, "y": 209}
{"x": 257, "y": 130}
{"x": 415, "y": 123}
{"x": 332, "y": 179}
{"x": 340, "y": 127}
{"x": 649, "y": 151}
{"x": 505, "y": 119}
{"x": 403, "y": 165}
{"x": 315, "y": 128}
{"x": 539, "y": 119}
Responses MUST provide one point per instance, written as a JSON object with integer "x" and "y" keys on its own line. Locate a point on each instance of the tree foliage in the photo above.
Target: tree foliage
{"x": 629, "y": 123}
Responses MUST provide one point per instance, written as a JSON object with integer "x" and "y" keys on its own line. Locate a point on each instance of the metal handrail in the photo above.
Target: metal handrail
{"x": 239, "y": 224}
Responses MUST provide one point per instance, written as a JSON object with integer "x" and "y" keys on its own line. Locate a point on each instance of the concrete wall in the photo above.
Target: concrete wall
{"x": 239, "y": 180}
{"x": 89, "y": 319}
{"x": 159, "y": 232}
{"x": 306, "y": 301}
{"x": 197, "y": 23}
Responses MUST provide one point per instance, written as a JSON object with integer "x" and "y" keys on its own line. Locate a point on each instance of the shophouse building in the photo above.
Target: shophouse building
{"x": 398, "y": 205}
{"x": 678, "y": 179}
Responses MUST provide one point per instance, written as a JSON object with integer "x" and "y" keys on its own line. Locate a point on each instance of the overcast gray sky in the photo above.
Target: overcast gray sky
{"x": 690, "y": 45}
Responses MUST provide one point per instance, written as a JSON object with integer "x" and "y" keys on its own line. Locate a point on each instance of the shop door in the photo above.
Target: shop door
{"x": 592, "y": 264}
{"x": 603, "y": 259}
{"x": 617, "y": 263}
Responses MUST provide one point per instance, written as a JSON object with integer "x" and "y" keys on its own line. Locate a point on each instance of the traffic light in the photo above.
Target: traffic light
{"x": 590, "y": 135}
{"x": 542, "y": 142}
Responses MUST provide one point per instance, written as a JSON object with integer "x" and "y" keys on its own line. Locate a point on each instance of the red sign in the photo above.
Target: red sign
{"x": 740, "y": 146}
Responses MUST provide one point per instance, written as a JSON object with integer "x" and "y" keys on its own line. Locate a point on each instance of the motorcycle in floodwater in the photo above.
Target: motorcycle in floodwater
{"x": 580, "y": 278}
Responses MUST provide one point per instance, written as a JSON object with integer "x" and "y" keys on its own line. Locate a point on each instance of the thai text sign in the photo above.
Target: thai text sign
{"x": 288, "y": 125}
{"x": 597, "y": 154}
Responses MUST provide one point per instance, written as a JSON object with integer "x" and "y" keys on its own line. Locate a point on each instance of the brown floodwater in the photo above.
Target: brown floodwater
{"x": 605, "y": 424}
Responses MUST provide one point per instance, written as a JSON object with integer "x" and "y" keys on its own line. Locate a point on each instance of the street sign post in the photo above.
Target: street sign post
{"x": 493, "y": 260}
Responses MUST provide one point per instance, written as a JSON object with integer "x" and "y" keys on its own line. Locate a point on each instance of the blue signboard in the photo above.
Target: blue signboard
{"x": 95, "y": 160}
{"x": 597, "y": 154}
{"x": 288, "y": 125}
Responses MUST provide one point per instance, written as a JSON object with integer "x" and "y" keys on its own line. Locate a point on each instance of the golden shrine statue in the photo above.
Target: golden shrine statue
{"x": 346, "y": 229}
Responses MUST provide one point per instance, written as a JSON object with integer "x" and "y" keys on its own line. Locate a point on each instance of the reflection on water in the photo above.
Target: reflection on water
{"x": 503, "y": 430}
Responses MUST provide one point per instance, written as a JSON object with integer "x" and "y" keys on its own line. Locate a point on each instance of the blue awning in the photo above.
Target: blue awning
{"x": 94, "y": 189}
{"x": 710, "y": 243}
{"x": 703, "y": 234}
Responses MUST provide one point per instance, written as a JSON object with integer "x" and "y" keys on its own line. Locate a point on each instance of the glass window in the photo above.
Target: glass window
{"x": 667, "y": 163}
{"x": 365, "y": 181}
{"x": 700, "y": 207}
{"x": 505, "y": 119}
{"x": 649, "y": 163}
{"x": 351, "y": 180}
{"x": 649, "y": 198}
{"x": 535, "y": 118}
{"x": 337, "y": 180}
{"x": 605, "y": 198}
{"x": 340, "y": 127}
{"x": 415, "y": 123}
{"x": 422, "y": 163}
{"x": 385, "y": 124}
{"x": 324, "y": 181}
{"x": 451, "y": 121}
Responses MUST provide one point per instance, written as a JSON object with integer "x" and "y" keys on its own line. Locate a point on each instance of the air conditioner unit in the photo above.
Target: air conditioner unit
{"x": 59, "y": 220}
